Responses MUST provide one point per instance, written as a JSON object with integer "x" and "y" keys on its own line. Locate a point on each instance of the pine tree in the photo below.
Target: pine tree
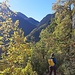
{"x": 63, "y": 31}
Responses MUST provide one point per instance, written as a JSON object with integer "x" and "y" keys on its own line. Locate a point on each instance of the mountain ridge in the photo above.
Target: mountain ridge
{"x": 24, "y": 24}
{"x": 30, "y": 26}
{"x": 42, "y": 25}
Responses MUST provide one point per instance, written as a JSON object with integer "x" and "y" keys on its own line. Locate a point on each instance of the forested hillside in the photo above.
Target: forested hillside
{"x": 20, "y": 57}
{"x": 34, "y": 34}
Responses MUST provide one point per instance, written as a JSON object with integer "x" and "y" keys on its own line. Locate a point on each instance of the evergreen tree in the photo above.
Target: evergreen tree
{"x": 63, "y": 32}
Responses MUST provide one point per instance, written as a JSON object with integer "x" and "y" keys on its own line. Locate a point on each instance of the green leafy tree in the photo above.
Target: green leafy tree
{"x": 63, "y": 32}
{"x": 42, "y": 49}
{"x": 16, "y": 52}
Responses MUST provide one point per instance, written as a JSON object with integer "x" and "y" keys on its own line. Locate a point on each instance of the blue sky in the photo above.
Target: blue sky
{"x": 32, "y": 8}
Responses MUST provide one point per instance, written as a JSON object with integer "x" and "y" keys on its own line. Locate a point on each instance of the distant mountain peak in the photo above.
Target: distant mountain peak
{"x": 30, "y": 19}
{"x": 22, "y": 15}
{"x": 33, "y": 21}
{"x": 42, "y": 25}
{"x": 25, "y": 25}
